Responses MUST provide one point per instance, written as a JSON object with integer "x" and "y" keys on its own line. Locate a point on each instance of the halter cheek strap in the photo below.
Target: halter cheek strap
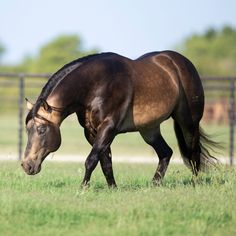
{"x": 48, "y": 108}
{"x": 42, "y": 118}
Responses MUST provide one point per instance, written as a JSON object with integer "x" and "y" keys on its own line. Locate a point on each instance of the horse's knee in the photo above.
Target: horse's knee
{"x": 91, "y": 162}
{"x": 165, "y": 153}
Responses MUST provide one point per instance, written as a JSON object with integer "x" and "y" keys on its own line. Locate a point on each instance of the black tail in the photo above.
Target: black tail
{"x": 205, "y": 144}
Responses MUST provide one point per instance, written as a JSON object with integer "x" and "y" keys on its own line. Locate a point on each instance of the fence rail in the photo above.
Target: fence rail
{"x": 208, "y": 82}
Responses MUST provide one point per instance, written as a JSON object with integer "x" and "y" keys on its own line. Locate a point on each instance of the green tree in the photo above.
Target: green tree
{"x": 2, "y": 51}
{"x": 213, "y": 52}
{"x": 56, "y": 53}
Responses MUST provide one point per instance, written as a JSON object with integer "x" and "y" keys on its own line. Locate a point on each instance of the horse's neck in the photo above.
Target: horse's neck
{"x": 59, "y": 111}
{"x": 66, "y": 101}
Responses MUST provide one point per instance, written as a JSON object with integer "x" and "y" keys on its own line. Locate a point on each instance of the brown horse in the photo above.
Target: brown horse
{"x": 112, "y": 94}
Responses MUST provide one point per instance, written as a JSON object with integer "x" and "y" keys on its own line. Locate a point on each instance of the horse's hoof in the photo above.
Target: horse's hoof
{"x": 112, "y": 186}
{"x": 156, "y": 182}
{"x": 85, "y": 185}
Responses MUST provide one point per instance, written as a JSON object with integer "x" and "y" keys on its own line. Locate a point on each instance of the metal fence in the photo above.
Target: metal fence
{"x": 211, "y": 84}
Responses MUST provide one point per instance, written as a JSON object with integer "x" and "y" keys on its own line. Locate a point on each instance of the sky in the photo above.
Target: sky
{"x": 127, "y": 27}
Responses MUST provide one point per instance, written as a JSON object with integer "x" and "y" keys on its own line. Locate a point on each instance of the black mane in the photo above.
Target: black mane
{"x": 63, "y": 72}
{"x": 57, "y": 76}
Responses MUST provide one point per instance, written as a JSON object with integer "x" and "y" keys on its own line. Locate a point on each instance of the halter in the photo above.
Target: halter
{"x": 47, "y": 107}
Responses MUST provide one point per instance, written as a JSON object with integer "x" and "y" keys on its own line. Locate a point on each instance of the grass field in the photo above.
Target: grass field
{"x": 52, "y": 203}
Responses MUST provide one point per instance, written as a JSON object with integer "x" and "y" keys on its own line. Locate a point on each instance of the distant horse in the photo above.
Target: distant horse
{"x": 217, "y": 111}
{"x": 112, "y": 94}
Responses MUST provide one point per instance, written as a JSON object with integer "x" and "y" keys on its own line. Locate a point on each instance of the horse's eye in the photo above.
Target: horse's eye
{"x": 41, "y": 129}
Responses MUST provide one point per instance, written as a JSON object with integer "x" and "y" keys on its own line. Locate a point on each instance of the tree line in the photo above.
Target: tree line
{"x": 50, "y": 56}
{"x": 213, "y": 52}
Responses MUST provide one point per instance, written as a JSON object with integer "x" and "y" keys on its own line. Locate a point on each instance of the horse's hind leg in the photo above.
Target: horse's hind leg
{"x": 164, "y": 152}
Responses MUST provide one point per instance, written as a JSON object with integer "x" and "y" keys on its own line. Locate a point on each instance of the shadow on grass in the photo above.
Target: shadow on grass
{"x": 204, "y": 179}
{"x": 167, "y": 183}
{"x": 55, "y": 184}
{"x": 174, "y": 179}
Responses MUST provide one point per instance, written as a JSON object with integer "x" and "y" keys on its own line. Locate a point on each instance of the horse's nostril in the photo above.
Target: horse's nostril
{"x": 31, "y": 168}
{"x": 28, "y": 167}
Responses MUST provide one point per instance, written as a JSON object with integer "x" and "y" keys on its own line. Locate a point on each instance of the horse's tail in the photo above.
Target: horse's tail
{"x": 205, "y": 146}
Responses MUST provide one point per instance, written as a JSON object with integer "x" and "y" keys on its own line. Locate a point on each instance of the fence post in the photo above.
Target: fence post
{"x": 21, "y": 113}
{"x": 232, "y": 120}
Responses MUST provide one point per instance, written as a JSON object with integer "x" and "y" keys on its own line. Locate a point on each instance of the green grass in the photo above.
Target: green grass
{"x": 52, "y": 203}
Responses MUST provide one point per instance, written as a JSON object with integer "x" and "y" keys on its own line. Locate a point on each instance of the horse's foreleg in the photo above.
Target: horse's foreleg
{"x": 106, "y": 164}
{"x": 105, "y": 160}
{"x": 102, "y": 141}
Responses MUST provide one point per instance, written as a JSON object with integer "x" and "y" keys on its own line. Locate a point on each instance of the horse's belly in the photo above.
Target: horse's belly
{"x": 150, "y": 115}
{"x": 152, "y": 109}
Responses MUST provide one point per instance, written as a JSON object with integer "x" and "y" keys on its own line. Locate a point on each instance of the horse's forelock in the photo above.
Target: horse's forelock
{"x": 33, "y": 112}
{"x": 28, "y": 117}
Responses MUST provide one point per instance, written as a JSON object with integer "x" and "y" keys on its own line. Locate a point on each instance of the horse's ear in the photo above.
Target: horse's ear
{"x": 29, "y": 105}
{"x": 46, "y": 106}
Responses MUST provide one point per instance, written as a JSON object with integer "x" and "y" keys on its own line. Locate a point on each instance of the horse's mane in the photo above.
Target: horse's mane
{"x": 64, "y": 71}
{"x": 58, "y": 76}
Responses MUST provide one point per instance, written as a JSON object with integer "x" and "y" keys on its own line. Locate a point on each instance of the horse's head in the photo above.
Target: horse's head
{"x": 43, "y": 136}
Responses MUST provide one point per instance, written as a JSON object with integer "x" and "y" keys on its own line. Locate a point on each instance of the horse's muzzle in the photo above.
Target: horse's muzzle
{"x": 30, "y": 167}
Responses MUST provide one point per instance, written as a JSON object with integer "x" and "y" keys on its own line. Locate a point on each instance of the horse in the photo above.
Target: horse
{"x": 112, "y": 94}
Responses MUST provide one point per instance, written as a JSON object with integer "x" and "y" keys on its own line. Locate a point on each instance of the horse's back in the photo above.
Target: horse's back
{"x": 176, "y": 65}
